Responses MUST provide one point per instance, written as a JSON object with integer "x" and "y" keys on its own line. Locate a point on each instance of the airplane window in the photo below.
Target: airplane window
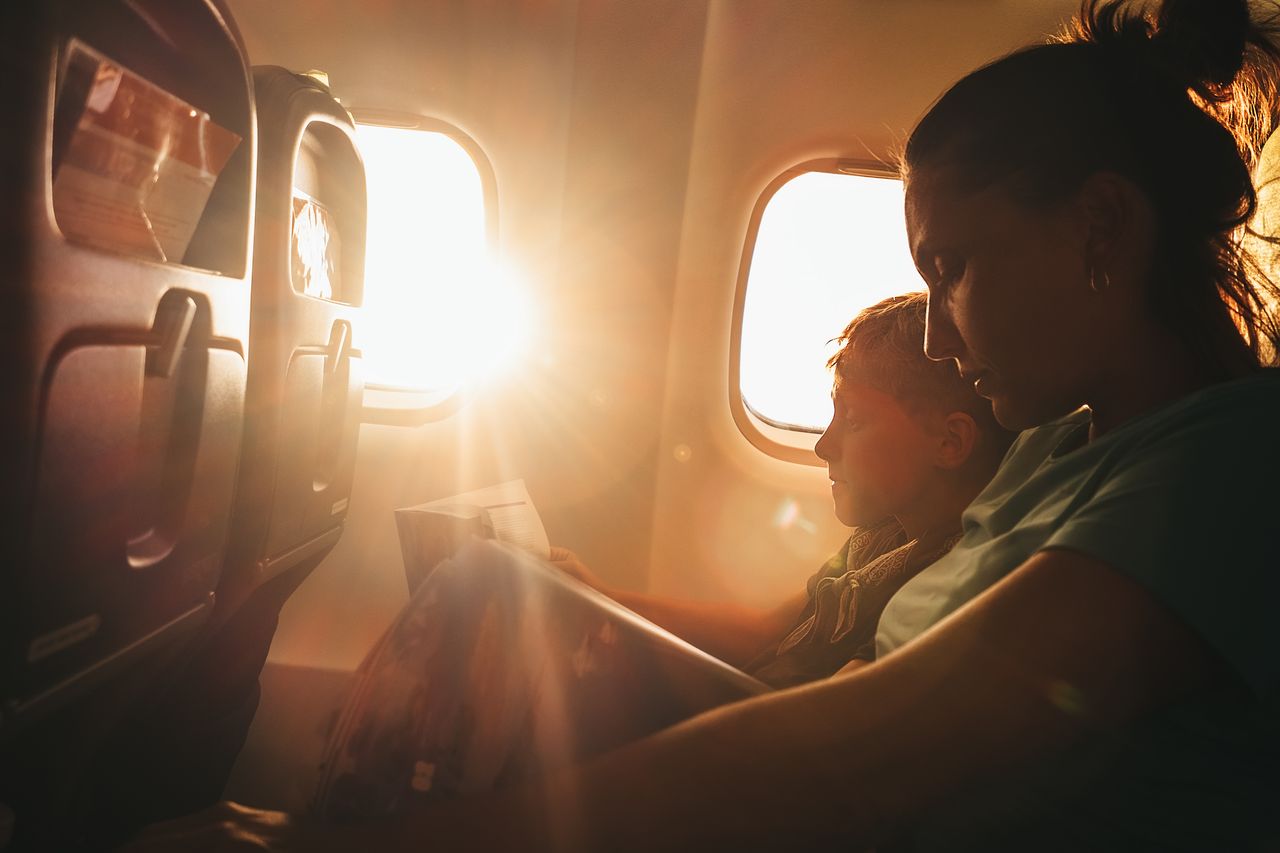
{"x": 828, "y": 245}
{"x": 438, "y": 310}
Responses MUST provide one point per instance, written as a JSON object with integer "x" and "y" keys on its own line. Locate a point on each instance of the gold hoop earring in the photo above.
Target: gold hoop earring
{"x": 1093, "y": 281}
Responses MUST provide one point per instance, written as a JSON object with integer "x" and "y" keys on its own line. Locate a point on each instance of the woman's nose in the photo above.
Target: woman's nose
{"x": 941, "y": 340}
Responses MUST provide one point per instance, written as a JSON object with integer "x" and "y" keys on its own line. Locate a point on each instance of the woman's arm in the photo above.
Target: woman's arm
{"x": 732, "y": 632}
{"x": 1062, "y": 649}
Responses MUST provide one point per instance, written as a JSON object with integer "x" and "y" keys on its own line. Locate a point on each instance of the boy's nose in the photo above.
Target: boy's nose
{"x": 825, "y": 442}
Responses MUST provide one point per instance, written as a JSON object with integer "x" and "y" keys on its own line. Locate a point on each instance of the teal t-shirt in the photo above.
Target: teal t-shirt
{"x": 1185, "y": 500}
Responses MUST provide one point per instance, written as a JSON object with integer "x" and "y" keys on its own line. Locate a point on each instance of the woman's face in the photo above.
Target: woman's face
{"x": 1009, "y": 296}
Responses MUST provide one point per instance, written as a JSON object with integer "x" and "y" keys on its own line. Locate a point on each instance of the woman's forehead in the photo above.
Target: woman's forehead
{"x": 929, "y": 189}
{"x": 930, "y": 199}
{"x": 940, "y": 211}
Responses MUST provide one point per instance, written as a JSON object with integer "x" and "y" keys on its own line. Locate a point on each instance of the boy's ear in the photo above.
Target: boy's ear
{"x": 959, "y": 436}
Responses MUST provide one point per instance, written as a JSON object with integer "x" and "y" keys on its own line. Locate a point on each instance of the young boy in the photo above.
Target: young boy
{"x": 909, "y": 445}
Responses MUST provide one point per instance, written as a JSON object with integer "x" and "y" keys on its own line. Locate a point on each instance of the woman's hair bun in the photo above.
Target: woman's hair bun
{"x": 1197, "y": 44}
{"x": 1202, "y": 41}
{"x": 1225, "y": 52}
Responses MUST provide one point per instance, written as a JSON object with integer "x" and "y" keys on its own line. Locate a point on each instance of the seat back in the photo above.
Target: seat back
{"x": 173, "y": 753}
{"x": 305, "y": 384}
{"x": 126, "y": 333}
{"x": 127, "y": 172}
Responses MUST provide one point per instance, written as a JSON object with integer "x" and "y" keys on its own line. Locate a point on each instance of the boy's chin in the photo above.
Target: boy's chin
{"x": 859, "y": 517}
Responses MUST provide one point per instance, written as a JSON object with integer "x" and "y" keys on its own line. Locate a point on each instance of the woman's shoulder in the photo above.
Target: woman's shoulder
{"x": 1239, "y": 413}
{"x": 1244, "y": 410}
{"x": 1257, "y": 391}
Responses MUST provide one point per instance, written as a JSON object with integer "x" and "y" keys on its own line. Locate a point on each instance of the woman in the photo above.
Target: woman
{"x": 1095, "y": 665}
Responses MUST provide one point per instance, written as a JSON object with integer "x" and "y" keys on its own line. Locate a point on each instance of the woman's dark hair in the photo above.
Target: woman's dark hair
{"x": 1178, "y": 100}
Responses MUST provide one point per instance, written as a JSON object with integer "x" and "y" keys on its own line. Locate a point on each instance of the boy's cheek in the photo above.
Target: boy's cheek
{"x": 854, "y": 507}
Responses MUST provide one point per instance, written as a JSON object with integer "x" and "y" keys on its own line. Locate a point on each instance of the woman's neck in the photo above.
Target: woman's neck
{"x": 1149, "y": 371}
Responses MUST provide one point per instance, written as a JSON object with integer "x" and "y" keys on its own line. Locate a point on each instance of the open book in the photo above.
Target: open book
{"x": 501, "y": 667}
{"x": 435, "y": 531}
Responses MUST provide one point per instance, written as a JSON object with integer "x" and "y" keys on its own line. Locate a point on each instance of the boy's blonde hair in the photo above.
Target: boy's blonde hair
{"x": 883, "y": 347}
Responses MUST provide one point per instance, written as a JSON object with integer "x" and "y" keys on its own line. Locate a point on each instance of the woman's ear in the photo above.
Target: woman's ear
{"x": 1105, "y": 204}
{"x": 1118, "y": 222}
{"x": 959, "y": 436}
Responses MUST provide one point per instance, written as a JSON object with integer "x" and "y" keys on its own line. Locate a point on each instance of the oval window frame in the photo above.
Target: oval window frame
{"x": 788, "y": 442}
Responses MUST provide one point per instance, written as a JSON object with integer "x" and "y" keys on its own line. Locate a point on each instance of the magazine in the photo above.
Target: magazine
{"x": 501, "y": 668}
{"x": 434, "y": 531}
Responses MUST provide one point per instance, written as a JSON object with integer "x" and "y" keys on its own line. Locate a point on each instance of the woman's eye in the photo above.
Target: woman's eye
{"x": 948, "y": 268}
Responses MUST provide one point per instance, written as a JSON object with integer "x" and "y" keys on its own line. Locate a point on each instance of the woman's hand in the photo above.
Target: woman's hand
{"x": 569, "y": 563}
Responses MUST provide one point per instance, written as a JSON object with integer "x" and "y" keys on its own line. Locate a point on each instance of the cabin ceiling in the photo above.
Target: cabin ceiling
{"x": 414, "y": 55}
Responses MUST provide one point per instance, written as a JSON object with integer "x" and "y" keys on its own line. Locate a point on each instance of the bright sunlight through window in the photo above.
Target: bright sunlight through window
{"x": 439, "y": 310}
{"x": 828, "y": 246}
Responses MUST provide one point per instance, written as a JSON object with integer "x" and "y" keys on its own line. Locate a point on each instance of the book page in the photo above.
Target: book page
{"x": 511, "y": 511}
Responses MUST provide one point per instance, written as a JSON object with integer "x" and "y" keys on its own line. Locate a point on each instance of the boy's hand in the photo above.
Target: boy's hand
{"x": 232, "y": 828}
{"x": 852, "y": 667}
{"x": 223, "y": 828}
{"x": 569, "y": 563}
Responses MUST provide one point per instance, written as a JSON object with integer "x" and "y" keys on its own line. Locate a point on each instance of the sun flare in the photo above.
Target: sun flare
{"x": 441, "y": 310}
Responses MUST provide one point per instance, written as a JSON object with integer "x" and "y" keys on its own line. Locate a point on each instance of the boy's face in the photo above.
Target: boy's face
{"x": 879, "y": 456}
